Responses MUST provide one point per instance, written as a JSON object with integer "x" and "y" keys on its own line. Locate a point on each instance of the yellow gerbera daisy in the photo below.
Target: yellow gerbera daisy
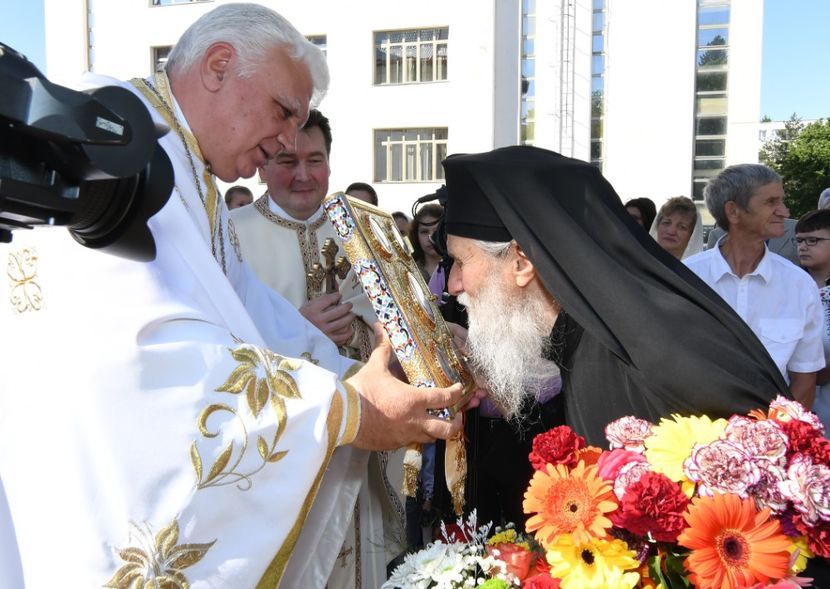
{"x": 567, "y": 501}
{"x": 672, "y": 440}
{"x": 598, "y": 564}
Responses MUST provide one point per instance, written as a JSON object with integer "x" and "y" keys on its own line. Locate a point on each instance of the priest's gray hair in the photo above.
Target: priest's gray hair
{"x": 253, "y": 30}
{"x": 495, "y": 249}
{"x": 736, "y": 183}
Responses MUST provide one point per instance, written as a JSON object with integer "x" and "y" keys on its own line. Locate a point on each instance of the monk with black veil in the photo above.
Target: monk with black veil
{"x": 542, "y": 245}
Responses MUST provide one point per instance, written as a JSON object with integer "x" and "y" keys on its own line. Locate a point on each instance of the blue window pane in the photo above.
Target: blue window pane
{"x": 598, "y": 43}
{"x": 598, "y": 63}
{"x": 713, "y": 15}
{"x": 598, "y": 21}
{"x": 712, "y": 37}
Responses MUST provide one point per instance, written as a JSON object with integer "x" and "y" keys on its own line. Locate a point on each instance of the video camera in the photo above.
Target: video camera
{"x": 86, "y": 160}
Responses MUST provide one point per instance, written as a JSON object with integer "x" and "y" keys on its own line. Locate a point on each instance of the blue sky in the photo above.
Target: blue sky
{"x": 796, "y": 57}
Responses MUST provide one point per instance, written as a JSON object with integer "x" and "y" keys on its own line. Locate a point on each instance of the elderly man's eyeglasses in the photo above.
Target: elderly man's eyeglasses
{"x": 810, "y": 241}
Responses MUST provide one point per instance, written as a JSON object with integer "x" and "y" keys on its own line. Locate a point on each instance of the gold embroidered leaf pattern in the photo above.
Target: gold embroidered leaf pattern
{"x": 265, "y": 379}
{"x": 196, "y": 460}
{"x": 131, "y": 555}
{"x": 236, "y": 381}
{"x": 159, "y": 561}
{"x": 167, "y": 538}
{"x": 21, "y": 268}
{"x": 221, "y": 462}
{"x": 262, "y": 446}
{"x": 277, "y": 456}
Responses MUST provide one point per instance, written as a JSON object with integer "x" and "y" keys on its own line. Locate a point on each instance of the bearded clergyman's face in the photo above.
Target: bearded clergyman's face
{"x": 508, "y": 325}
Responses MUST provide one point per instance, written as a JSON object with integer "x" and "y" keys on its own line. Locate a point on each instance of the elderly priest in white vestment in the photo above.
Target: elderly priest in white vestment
{"x": 176, "y": 423}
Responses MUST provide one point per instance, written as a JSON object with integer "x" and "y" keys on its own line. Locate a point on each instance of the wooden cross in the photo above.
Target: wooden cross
{"x": 330, "y": 269}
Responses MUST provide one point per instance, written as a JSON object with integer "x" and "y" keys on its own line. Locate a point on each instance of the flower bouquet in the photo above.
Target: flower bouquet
{"x": 686, "y": 502}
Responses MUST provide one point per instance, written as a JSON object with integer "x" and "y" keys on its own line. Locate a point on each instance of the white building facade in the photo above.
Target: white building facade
{"x": 660, "y": 94}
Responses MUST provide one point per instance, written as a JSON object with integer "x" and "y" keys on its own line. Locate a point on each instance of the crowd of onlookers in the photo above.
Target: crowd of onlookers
{"x": 772, "y": 270}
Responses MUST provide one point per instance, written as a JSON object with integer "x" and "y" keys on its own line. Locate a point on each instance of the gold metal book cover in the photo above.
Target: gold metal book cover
{"x": 399, "y": 295}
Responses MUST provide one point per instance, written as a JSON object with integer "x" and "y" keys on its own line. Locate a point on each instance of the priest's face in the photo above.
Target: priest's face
{"x": 509, "y": 321}
{"x": 253, "y": 117}
{"x": 298, "y": 179}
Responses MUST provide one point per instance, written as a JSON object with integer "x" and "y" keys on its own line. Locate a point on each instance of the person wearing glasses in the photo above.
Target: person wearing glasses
{"x": 812, "y": 238}
{"x": 774, "y": 297}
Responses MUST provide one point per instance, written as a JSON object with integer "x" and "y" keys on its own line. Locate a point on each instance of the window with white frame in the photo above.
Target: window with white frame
{"x": 410, "y": 155}
{"x": 159, "y": 57}
{"x": 711, "y": 100}
{"x": 320, "y": 41}
{"x": 406, "y": 57}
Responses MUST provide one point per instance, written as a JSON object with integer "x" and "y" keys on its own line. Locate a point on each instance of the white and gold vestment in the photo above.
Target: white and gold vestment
{"x": 174, "y": 420}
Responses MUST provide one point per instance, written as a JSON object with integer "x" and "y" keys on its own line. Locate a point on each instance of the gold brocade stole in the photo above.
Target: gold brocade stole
{"x": 161, "y": 99}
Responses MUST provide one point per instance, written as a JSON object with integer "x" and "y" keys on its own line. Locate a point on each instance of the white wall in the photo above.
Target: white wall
{"x": 744, "y": 82}
{"x": 649, "y": 108}
{"x": 649, "y": 98}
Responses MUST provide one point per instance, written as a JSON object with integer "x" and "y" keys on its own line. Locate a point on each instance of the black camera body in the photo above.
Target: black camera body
{"x": 89, "y": 161}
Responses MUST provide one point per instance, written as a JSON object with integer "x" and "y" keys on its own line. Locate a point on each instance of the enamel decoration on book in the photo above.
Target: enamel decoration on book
{"x": 399, "y": 295}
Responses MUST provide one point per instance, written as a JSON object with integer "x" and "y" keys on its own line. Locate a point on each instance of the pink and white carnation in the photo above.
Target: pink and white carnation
{"x": 808, "y": 487}
{"x": 767, "y": 491}
{"x": 610, "y": 463}
{"x": 629, "y": 474}
{"x": 629, "y": 433}
{"x": 762, "y": 440}
{"x": 721, "y": 466}
{"x": 784, "y": 409}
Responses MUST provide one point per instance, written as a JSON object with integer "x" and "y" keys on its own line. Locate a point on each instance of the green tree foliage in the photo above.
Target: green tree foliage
{"x": 801, "y": 155}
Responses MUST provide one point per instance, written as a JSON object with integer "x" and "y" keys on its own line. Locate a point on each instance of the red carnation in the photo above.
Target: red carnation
{"x": 806, "y": 439}
{"x": 540, "y": 581}
{"x": 559, "y": 445}
{"x": 818, "y": 536}
{"x": 655, "y": 504}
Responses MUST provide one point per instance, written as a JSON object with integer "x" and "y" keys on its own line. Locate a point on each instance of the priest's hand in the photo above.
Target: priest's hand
{"x": 393, "y": 413}
{"x": 331, "y": 317}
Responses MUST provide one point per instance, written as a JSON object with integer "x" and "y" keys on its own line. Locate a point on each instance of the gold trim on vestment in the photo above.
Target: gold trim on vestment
{"x": 352, "y": 370}
{"x": 306, "y": 238}
{"x": 161, "y": 99}
{"x": 353, "y": 408}
{"x": 276, "y": 569}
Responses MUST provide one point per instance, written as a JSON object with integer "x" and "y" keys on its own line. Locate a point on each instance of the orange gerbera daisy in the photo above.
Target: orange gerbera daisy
{"x": 568, "y": 501}
{"x": 733, "y": 544}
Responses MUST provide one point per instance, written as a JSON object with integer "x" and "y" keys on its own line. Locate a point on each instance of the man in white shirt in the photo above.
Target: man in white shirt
{"x": 775, "y": 298}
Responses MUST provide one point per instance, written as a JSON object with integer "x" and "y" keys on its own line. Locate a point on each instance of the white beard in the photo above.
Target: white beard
{"x": 508, "y": 332}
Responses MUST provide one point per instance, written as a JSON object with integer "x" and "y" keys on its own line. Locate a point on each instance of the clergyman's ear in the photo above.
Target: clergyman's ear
{"x": 523, "y": 269}
{"x": 216, "y": 65}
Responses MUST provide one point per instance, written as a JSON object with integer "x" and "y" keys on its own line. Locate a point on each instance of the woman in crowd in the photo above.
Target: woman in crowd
{"x": 420, "y": 231}
{"x": 643, "y": 211}
{"x": 676, "y": 228}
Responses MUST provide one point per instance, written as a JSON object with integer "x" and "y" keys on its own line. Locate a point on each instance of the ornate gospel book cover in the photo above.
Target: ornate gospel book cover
{"x": 374, "y": 247}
